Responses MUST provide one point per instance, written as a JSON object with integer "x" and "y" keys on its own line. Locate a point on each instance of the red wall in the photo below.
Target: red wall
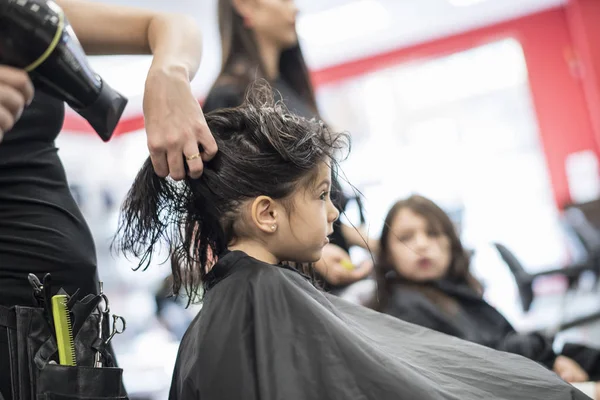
{"x": 562, "y": 107}
{"x": 584, "y": 18}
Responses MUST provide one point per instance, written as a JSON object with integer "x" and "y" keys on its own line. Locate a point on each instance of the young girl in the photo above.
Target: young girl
{"x": 264, "y": 331}
{"x": 259, "y": 40}
{"x": 423, "y": 277}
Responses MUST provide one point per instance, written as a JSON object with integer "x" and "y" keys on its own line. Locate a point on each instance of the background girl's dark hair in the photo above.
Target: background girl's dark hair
{"x": 263, "y": 150}
{"x": 241, "y": 57}
{"x": 437, "y": 219}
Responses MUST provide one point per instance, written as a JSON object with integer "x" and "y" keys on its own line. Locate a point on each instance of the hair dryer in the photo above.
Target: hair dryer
{"x": 36, "y": 36}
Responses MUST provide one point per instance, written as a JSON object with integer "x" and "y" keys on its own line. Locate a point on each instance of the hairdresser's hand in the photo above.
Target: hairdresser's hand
{"x": 331, "y": 267}
{"x": 569, "y": 370}
{"x": 16, "y": 92}
{"x": 175, "y": 125}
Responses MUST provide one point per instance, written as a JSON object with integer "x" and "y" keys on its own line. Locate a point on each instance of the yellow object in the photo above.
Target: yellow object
{"x": 347, "y": 264}
{"x": 53, "y": 44}
{"x": 64, "y": 330}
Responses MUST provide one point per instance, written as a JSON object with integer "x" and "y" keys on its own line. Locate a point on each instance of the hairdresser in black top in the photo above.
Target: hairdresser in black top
{"x": 259, "y": 40}
{"x": 41, "y": 228}
{"x": 423, "y": 278}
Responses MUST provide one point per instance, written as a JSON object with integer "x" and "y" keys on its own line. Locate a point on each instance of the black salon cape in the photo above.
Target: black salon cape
{"x": 264, "y": 332}
{"x": 475, "y": 320}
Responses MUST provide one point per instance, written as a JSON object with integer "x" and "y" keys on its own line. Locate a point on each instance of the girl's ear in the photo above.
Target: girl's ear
{"x": 264, "y": 214}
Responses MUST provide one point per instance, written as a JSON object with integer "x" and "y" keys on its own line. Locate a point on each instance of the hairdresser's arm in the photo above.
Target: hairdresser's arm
{"x": 175, "y": 124}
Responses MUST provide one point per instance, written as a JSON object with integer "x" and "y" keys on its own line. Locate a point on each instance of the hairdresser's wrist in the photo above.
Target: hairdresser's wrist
{"x": 168, "y": 70}
{"x": 176, "y": 43}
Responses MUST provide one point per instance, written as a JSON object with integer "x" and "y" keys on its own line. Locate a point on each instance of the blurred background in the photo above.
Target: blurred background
{"x": 489, "y": 107}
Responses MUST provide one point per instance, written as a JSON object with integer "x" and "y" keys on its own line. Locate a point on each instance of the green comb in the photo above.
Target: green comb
{"x": 64, "y": 330}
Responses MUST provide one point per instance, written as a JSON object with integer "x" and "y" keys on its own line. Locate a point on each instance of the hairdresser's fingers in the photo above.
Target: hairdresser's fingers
{"x": 19, "y": 80}
{"x": 159, "y": 161}
{"x": 341, "y": 275}
{"x": 174, "y": 121}
{"x": 12, "y": 100}
{"x": 361, "y": 272}
{"x": 176, "y": 168}
{"x": 12, "y": 103}
{"x": 193, "y": 159}
{"x": 337, "y": 273}
{"x": 206, "y": 139}
{"x": 7, "y": 120}
{"x": 367, "y": 264}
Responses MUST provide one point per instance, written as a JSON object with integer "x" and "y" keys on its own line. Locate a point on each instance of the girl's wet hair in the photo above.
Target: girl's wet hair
{"x": 438, "y": 221}
{"x": 264, "y": 149}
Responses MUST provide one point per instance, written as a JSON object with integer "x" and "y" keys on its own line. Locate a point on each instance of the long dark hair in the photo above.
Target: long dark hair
{"x": 241, "y": 61}
{"x": 263, "y": 150}
{"x": 458, "y": 271}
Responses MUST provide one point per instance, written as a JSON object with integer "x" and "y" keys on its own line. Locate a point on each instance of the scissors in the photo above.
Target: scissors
{"x": 117, "y": 328}
{"x": 103, "y": 309}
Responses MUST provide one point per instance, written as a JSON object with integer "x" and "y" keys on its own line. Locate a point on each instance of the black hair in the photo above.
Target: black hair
{"x": 263, "y": 150}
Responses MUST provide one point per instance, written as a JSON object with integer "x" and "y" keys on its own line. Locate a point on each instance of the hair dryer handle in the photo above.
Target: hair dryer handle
{"x": 104, "y": 113}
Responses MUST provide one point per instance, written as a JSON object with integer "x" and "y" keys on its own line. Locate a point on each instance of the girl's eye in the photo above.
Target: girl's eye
{"x": 404, "y": 238}
{"x": 324, "y": 196}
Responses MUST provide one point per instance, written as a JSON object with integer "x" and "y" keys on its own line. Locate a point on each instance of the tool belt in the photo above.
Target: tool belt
{"x": 35, "y": 371}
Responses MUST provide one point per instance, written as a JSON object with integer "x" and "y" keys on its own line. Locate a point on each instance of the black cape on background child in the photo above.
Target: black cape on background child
{"x": 264, "y": 332}
{"x": 477, "y": 321}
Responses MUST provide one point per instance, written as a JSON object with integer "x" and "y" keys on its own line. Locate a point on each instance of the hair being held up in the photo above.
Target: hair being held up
{"x": 263, "y": 150}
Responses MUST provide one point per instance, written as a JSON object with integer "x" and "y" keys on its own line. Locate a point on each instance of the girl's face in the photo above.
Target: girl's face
{"x": 304, "y": 231}
{"x": 418, "y": 250}
{"x": 274, "y": 21}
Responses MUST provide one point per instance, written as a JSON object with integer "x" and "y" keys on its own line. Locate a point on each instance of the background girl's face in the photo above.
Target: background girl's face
{"x": 275, "y": 21}
{"x": 418, "y": 250}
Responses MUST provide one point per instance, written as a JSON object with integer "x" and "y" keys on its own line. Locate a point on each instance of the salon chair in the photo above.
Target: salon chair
{"x": 525, "y": 282}
{"x": 583, "y": 219}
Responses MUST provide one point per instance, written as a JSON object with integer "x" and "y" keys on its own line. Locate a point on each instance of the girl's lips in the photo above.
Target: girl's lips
{"x": 425, "y": 263}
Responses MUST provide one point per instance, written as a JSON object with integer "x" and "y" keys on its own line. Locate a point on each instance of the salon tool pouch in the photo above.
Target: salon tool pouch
{"x": 27, "y": 333}
{"x": 32, "y": 347}
{"x": 61, "y": 382}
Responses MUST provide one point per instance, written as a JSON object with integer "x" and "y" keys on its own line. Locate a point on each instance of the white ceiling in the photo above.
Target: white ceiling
{"x": 331, "y": 32}
{"x": 373, "y": 26}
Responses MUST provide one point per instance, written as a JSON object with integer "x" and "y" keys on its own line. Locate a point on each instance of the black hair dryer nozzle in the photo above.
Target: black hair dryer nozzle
{"x": 36, "y": 36}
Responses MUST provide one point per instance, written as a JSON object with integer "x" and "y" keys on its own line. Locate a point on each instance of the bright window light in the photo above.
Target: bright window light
{"x": 465, "y": 3}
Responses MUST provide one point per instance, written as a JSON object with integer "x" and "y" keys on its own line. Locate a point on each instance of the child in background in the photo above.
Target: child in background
{"x": 423, "y": 277}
